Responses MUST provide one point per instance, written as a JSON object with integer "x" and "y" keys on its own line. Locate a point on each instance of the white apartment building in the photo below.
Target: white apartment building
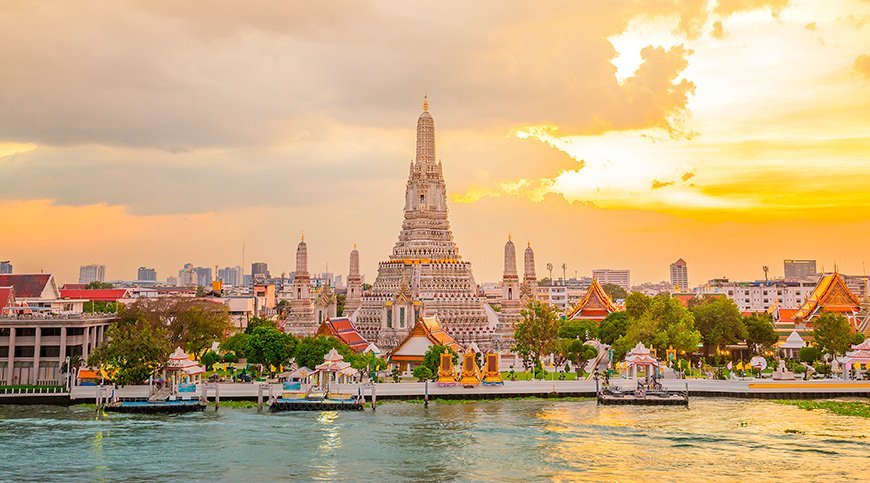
{"x": 760, "y": 295}
{"x": 614, "y": 276}
{"x": 92, "y": 273}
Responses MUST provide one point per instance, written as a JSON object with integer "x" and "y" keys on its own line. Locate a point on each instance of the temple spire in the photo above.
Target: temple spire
{"x": 425, "y": 103}
{"x": 425, "y": 136}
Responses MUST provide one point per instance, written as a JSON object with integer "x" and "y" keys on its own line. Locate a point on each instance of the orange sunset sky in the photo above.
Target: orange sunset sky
{"x": 618, "y": 134}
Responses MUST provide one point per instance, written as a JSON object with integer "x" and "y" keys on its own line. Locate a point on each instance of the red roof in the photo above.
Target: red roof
{"x": 74, "y": 286}
{"x": 27, "y": 285}
{"x": 7, "y": 297}
{"x": 342, "y": 328}
{"x": 94, "y": 294}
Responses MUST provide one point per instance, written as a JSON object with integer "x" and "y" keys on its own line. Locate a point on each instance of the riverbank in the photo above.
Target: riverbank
{"x": 859, "y": 409}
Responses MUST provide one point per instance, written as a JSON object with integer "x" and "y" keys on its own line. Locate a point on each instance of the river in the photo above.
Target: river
{"x": 713, "y": 440}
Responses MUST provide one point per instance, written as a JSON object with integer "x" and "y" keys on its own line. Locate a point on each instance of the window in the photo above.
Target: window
{"x": 25, "y": 332}
{"x": 4, "y": 332}
{"x": 402, "y": 317}
{"x": 75, "y": 331}
{"x": 4, "y": 351}
{"x": 74, "y": 350}
{"x": 24, "y": 351}
{"x": 49, "y": 351}
{"x": 50, "y": 331}
{"x": 389, "y": 319}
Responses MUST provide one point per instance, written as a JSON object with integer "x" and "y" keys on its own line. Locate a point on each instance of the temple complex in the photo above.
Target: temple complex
{"x": 830, "y": 295}
{"x": 354, "y": 284}
{"x": 595, "y": 305}
{"x": 425, "y": 275}
{"x": 515, "y": 296}
{"x": 343, "y": 329}
{"x": 427, "y": 332}
{"x": 300, "y": 319}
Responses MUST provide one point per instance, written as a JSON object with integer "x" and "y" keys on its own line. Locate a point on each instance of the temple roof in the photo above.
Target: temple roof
{"x": 426, "y": 333}
{"x": 7, "y": 297}
{"x": 794, "y": 341}
{"x": 28, "y": 285}
{"x": 596, "y": 304}
{"x": 343, "y": 329}
{"x": 830, "y": 295}
{"x": 96, "y": 294}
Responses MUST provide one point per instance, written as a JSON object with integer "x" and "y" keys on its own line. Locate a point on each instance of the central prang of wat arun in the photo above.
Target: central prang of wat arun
{"x": 425, "y": 275}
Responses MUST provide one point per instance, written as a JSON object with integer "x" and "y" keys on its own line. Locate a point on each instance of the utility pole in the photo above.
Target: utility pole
{"x": 564, "y": 272}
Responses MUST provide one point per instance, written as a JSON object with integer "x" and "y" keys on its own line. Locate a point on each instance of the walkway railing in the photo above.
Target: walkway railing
{"x": 32, "y": 390}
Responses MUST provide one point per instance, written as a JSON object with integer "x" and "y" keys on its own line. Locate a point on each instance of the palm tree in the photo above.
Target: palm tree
{"x": 550, "y": 269}
{"x": 564, "y": 272}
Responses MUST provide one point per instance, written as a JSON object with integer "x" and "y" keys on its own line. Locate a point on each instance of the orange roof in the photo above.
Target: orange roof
{"x": 830, "y": 295}
{"x": 430, "y": 328}
{"x": 343, "y": 329}
{"x": 7, "y": 297}
{"x": 89, "y": 374}
{"x": 596, "y": 304}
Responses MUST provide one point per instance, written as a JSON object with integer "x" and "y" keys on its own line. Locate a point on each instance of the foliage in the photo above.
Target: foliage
{"x": 614, "y": 291}
{"x": 98, "y": 285}
{"x": 536, "y": 332}
{"x": 577, "y": 352}
{"x": 259, "y": 322}
{"x": 100, "y": 307}
{"x": 231, "y": 357}
{"x": 665, "y": 323}
{"x": 423, "y": 373}
{"x": 340, "y": 300}
{"x": 578, "y": 329}
{"x": 719, "y": 321}
{"x": 310, "y": 350}
{"x": 432, "y": 357}
{"x": 368, "y": 361}
{"x": 760, "y": 333}
{"x": 269, "y": 346}
{"x": 810, "y": 354}
{"x": 209, "y": 359}
{"x": 637, "y": 304}
{"x": 236, "y": 344}
{"x": 192, "y": 324}
{"x": 613, "y": 327}
{"x": 832, "y": 333}
{"x": 135, "y": 346}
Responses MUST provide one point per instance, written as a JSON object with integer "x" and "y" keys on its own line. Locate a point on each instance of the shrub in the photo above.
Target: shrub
{"x": 422, "y": 373}
{"x": 230, "y": 357}
{"x": 209, "y": 359}
{"x": 810, "y": 354}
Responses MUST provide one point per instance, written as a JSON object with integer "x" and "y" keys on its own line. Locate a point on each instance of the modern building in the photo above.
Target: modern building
{"x": 231, "y": 275}
{"x": 652, "y": 289}
{"x": 204, "y": 276}
{"x": 34, "y": 349}
{"x": 425, "y": 276}
{"x": 260, "y": 270}
{"x": 92, "y": 273}
{"x": 799, "y": 269}
{"x": 5, "y": 266}
{"x": 187, "y": 276}
{"x": 614, "y": 276}
{"x": 760, "y": 295}
{"x": 146, "y": 274}
{"x": 172, "y": 281}
{"x": 680, "y": 275}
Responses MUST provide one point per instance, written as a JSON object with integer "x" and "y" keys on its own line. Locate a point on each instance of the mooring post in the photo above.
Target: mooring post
{"x": 259, "y": 397}
{"x": 597, "y": 393}
{"x": 204, "y": 392}
{"x": 217, "y": 396}
{"x": 426, "y": 394}
{"x": 374, "y": 397}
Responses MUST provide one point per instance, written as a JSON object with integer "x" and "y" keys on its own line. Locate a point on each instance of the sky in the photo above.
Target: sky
{"x": 619, "y": 134}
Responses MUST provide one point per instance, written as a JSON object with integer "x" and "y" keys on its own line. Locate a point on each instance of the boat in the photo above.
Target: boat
{"x": 156, "y": 407}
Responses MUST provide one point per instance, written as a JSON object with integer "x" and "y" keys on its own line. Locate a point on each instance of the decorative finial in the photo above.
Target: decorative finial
{"x": 529, "y": 244}
{"x": 509, "y": 236}
{"x": 303, "y": 236}
{"x": 354, "y": 245}
{"x": 425, "y": 103}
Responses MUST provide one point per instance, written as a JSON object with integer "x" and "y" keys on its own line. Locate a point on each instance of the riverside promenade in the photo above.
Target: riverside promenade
{"x": 750, "y": 388}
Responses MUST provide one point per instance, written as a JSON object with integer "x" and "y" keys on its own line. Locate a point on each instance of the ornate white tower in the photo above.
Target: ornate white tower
{"x": 437, "y": 282}
{"x": 354, "y": 285}
{"x": 510, "y": 291}
{"x": 530, "y": 281}
{"x": 300, "y": 320}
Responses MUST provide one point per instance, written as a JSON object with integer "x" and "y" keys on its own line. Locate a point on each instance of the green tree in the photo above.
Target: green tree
{"x": 832, "y": 333}
{"x": 100, "y": 307}
{"x": 614, "y": 291}
{"x": 422, "y": 373}
{"x": 259, "y": 322}
{"x": 578, "y": 329}
{"x": 196, "y": 324}
{"x": 237, "y": 344}
{"x": 432, "y": 357}
{"x": 310, "y": 350}
{"x": 269, "y": 346}
{"x": 719, "y": 321}
{"x": 135, "y": 347}
{"x": 637, "y": 304}
{"x": 760, "y": 333}
{"x": 665, "y": 323}
{"x": 209, "y": 359}
{"x": 536, "y": 332}
{"x": 99, "y": 285}
{"x": 613, "y": 327}
{"x": 340, "y": 300}
{"x": 810, "y": 354}
{"x": 578, "y": 353}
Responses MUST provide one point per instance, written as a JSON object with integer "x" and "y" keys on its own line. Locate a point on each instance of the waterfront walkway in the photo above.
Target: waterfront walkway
{"x": 697, "y": 388}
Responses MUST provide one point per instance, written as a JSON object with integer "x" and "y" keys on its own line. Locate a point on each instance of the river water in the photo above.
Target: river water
{"x": 713, "y": 440}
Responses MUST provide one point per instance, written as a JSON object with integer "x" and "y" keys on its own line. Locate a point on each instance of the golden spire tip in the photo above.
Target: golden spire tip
{"x": 425, "y": 103}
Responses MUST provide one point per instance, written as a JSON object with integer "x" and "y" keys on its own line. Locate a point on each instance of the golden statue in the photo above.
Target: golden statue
{"x": 446, "y": 371}
{"x": 470, "y": 376}
{"x": 491, "y": 376}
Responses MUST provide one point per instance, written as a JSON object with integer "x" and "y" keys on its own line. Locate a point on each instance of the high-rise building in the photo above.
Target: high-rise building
{"x": 187, "y": 276}
{"x": 5, "y": 267}
{"x": 203, "y": 276}
{"x": 92, "y": 273}
{"x": 231, "y": 275}
{"x": 146, "y": 274}
{"x": 680, "y": 275}
{"x": 260, "y": 270}
{"x": 614, "y": 276}
{"x": 799, "y": 269}
{"x": 172, "y": 281}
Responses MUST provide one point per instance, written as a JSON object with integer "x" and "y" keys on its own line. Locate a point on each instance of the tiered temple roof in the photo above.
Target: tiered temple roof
{"x": 426, "y": 333}
{"x": 343, "y": 329}
{"x": 595, "y": 305}
{"x": 830, "y": 295}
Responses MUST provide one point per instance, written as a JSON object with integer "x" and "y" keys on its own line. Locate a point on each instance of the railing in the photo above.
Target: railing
{"x": 87, "y": 316}
{"x": 25, "y": 390}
